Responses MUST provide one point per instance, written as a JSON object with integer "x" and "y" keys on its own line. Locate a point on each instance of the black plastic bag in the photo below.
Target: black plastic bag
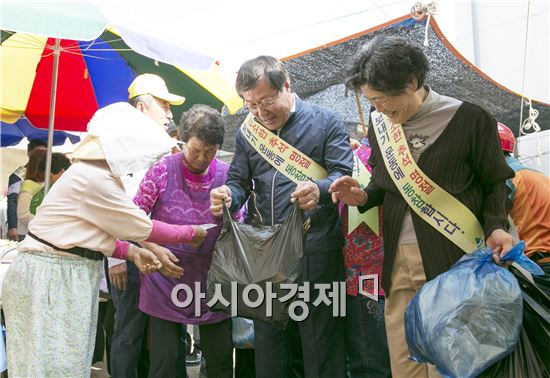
{"x": 523, "y": 362}
{"x": 257, "y": 254}
{"x": 531, "y": 358}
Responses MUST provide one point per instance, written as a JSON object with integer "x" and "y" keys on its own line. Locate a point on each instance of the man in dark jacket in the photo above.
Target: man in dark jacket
{"x": 317, "y": 132}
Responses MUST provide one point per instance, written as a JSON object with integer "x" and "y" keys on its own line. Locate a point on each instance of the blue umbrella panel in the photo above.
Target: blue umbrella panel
{"x": 12, "y": 134}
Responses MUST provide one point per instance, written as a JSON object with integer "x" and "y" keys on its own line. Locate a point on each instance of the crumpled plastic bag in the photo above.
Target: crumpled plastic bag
{"x": 530, "y": 358}
{"x": 243, "y": 333}
{"x": 517, "y": 256}
{"x": 3, "y": 358}
{"x": 467, "y": 318}
{"x": 257, "y": 254}
{"x": 525, "y": 361}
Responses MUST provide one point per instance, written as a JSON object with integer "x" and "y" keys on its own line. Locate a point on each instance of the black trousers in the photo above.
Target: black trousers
{"x": 244, "y": 363}
{"x": 104, "y": 334}
{"x": 128, "y": 350}
{"x": 314, "y": 347}
{"x": 217, "y": 345}
{"x": 311, "y": 348}
{"x": 167, "y": 349}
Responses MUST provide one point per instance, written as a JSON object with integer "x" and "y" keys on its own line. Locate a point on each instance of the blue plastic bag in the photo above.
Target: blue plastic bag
{"x": 243, "y": 333}
{"x": 516, "y": 254}
{"x": 467, "y": 318}
{"x": 3, "y": 359}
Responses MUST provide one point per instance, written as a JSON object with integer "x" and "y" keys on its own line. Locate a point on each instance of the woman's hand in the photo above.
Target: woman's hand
{"x": 347, "y": 190}
{"x": 145, "y": 260}
{"x": 166, "y": 258}
{"x": 500, "y": 242}
{"x": 200, "y": 235}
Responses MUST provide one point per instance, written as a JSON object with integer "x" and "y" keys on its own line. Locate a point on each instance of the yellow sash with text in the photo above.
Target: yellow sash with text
{"x": 370, "y": 217}
{"x": 427, "y": 199}
{"x": 286, "y": 159}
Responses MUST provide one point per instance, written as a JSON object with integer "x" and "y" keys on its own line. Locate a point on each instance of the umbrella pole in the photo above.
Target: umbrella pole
{"x": 53, "y": 93}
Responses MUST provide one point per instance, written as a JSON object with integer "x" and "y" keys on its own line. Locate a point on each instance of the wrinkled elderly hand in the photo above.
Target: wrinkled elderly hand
{"x": 218, "y": 196}
{"x": 347, "y": 190}
{"x": 500, "y": 242}
{"x": 145, "y": 260}
{"x": 307, "y": 194}
{"x": 166, "y": 258}
{"x": 200, "y": 235}
{"x": 118, "y": 276}
{"x": 12, "y": 234}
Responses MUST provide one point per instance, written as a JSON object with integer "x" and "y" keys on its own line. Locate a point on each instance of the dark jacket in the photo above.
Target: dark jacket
{"x": 466, "y": 160}
{"x": 14, "y": 185}
{"x": 317, "y": 132}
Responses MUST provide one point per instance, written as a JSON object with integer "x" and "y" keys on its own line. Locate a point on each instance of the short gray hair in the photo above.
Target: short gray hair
{"x": 254, "y": 70}
{"x": 203, "y": 122}
{"x": 146, "y": 98}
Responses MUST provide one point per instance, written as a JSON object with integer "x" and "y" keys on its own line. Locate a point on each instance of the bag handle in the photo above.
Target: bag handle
{"x": 256, "y": 212}
{"x": 230, "y": 225}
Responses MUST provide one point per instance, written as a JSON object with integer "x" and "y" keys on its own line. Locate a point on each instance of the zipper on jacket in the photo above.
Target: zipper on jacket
{"x": 276, "y": 132}
{"x": 273, "y": 199}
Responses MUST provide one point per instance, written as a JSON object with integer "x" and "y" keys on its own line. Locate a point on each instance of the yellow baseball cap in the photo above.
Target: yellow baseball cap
{"x": 155, "y": 86}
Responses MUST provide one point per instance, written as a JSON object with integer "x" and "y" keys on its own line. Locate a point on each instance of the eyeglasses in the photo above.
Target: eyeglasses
{"x": 264, "y": 104}
{"x": 379, "y": 100}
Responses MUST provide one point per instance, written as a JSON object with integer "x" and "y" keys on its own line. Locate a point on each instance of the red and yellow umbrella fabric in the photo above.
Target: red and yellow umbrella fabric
{"x": 91, "y": 75}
